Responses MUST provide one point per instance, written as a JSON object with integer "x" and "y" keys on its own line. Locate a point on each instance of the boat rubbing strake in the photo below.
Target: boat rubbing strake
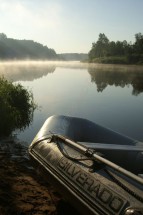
{"x": 96, "y": 169}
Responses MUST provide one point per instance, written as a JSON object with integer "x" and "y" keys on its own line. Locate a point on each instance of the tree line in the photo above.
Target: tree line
{"x": 24, "y": 49}
{"x": 105, "y": 51}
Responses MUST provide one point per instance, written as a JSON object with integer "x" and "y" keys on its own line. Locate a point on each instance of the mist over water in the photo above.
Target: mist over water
{"x": 110, "y": 95}
{"x": 20, "y": 70}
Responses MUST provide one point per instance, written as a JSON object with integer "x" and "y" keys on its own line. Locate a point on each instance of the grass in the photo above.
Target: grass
{"x": 16, "y": 107}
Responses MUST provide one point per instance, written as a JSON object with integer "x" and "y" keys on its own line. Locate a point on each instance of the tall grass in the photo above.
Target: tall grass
{"x": 16, "y": 107}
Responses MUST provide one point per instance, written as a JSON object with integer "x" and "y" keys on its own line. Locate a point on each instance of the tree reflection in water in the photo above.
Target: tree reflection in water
{"x": 24, "y": 71}
{"x": 105, "y": 76}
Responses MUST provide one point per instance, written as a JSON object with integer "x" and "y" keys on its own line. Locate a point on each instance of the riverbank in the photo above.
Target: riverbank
{"x": 22, "y": 191}
{"x": 119, "y": 60}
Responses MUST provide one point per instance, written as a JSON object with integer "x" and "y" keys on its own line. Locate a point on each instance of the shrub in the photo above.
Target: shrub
{"x": 16, "y": 107}
{"x": 111, "y": 60}
{"x": 135, "y": 58}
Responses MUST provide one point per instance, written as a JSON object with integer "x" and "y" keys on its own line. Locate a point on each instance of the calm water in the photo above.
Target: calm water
{"x": 109, "y": 95}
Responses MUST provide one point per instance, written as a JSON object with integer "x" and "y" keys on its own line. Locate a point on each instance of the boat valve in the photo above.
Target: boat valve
{"x": 134, "y": 211}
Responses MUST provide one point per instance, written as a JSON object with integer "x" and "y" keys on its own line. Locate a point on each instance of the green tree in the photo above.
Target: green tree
{"x": 138, "y": 46}
{"x": 112, "y": 49}
{"x": 92, "y": 52}
{"x": 3, "y": 36}
{"x": 24, "y": 49}
{"x": 100, "y": 48}
{"x": 104, "y": 51}
{"x": 119, "y": 48}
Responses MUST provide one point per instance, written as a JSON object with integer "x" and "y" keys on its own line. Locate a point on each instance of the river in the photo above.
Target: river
{"x": 110, "y": 95}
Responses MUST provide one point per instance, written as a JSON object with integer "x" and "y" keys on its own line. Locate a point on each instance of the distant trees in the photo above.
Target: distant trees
{"x": 138, "y": 46}
{"x": 24, "y": 49}
{"x": 3, "y": 36}
{"x": 114, "y": 52}
{"x": 100, "y": 48}
{"x": 73, "y": 56}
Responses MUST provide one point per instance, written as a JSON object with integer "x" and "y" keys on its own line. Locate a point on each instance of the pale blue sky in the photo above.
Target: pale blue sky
{"x": 71, "y": 25}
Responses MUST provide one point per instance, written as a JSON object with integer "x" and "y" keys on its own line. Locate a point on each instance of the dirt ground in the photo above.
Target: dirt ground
{"x": 22, "y": 192}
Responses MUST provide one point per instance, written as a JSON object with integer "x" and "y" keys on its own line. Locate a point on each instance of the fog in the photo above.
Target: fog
{"x": 94, "y": 91}
{"x": 102, "y": 75}
{"x": 30, "y": 70}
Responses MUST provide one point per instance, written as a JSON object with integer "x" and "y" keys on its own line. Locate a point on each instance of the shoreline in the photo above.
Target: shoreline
{"x": 22, "y": 191}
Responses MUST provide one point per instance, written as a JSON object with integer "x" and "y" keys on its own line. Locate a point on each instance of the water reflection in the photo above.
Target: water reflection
{"x": 25, "y": 72}
{"x": 118, "y": 76}
{"x": 101, "y": 75}
{"x": 69, "y": 91}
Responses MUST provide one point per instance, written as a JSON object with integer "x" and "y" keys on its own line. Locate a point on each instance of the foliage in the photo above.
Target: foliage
{"x": 111, "y": 60}
{"x": 73, "y": 56}
{"x": 24, "y": 49}
{"x": 105, "y": 51}
{"x": 100, "y": 48}
{"x": 3, "y": 36}
{"x": 16, "y": 107}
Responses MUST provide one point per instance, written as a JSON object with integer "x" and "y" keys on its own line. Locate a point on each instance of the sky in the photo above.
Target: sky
{"x": 70, "y": 26}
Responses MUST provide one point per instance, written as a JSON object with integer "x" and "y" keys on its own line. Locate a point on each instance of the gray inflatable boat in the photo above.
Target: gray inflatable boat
{"x": 96, "y": 169}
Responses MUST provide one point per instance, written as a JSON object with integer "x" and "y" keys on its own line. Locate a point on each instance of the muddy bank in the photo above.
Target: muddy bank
{"x": 22, "y": 191}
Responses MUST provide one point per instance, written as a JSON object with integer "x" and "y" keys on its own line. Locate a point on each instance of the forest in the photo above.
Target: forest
{"x": 74, "y": 56}
{"x": 120, "y": 52}
{"x": 24, "y": 49}
{"x": 102, "y": 51}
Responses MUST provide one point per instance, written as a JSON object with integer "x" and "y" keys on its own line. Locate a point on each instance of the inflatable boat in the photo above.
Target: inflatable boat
{"x": 96, "y": 169}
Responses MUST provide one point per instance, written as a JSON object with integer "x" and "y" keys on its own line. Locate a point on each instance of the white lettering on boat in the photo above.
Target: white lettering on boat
{"x": 99, "y": 193}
